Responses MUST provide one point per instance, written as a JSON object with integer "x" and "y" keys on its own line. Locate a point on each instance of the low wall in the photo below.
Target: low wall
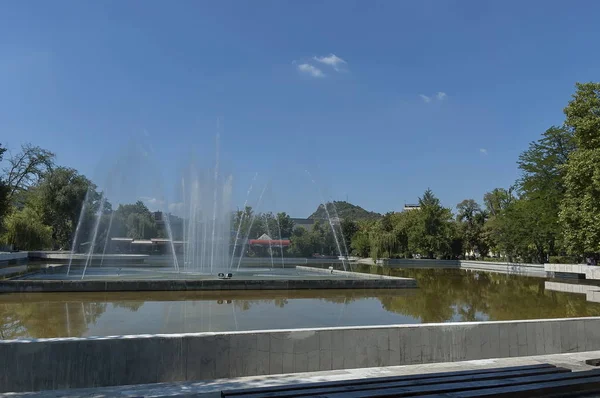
{"x": 566, "y": 268}
{"x": 502, "y": 267}
{"x": 415, "y": 263}
{"x": 593, "y": 296}
{"x": 78, "y": 258}
{"x": 505, "y": 268}
{"x": 349, "y": 274}
{"x": 32, "y": 286}
{"x": 7, "y": 258}
{"x": 32, "y": 365}
{"x": 570, "y": 287}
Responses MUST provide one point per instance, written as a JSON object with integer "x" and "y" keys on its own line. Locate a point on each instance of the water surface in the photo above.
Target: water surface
{"x": 444, "y": 295}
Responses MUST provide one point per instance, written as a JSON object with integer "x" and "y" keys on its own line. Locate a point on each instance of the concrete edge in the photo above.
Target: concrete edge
{"x": 335, "y": 328}
{"x": 357, "y": 275}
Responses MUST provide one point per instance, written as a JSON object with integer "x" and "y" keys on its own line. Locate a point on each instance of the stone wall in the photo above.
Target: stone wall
{"x": 30, "y": 365}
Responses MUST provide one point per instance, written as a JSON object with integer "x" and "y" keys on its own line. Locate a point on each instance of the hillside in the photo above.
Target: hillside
{"x": 345, "y": 210}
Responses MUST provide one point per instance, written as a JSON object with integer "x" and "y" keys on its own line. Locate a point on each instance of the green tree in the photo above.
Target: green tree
{"x": 497, "y": 200}
{"x": 134, "y": 221}
{"x": 581, "y": 204}
{"x": 542, "y": 183}
{"x": 26, "y": 168}
{"x": 4, "y": 190}
{"x": 432, "y": 232}
{"x": 361, "y": 243}
{"x": 251, "y": 223}
{"x": 60, "y": 196}
{"x": 349, "y": 228}
{"x": 496, "y": 232}
{"x": 285, "y": 224}
{"x": 25, "y": 230}
{"x": 471, "y": 219}
{"x": 302, "y": 242}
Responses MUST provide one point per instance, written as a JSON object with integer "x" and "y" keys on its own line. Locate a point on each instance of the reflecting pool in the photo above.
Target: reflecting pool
{"x": 444, "y": 295}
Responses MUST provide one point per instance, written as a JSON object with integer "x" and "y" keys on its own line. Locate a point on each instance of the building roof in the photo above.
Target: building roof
{"x": 271, "y": 242}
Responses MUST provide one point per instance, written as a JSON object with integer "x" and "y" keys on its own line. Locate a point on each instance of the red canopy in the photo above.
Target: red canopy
{"x": 267, "y": 242}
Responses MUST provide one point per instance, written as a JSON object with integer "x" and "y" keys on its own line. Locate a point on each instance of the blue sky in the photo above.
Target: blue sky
{"x": 379, "y": 100}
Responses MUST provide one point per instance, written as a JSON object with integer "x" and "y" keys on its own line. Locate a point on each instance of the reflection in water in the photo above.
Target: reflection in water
{"x": 444, "y": 295}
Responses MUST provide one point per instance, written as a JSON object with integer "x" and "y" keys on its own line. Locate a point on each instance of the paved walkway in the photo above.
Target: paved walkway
{"x": 213, "y": 388}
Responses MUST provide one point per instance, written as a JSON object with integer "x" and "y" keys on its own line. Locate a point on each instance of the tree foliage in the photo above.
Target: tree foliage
{"x": 24, "y": 230}
{"x": 59, "y": 197}
{"x": 471, "y": 219}
{"x": 344, "y": 210}
{"x": 26, "y": 168}
{"x": 4, "y": 190}
{"x": 580, "y": 208}
{"x": 134, "y": 221}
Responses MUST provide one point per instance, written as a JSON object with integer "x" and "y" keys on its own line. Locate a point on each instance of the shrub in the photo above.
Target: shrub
{"x": 564, "y": 260}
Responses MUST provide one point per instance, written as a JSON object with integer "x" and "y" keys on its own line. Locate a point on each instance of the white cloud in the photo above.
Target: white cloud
{"x": 153, "y": 204}
{"x": 310, "y": 70}
{"x": 441, "y": 95}
{"x": 332, "y": 60}
{"x": 483, "y": 151}
{"x": 425, "y": 98}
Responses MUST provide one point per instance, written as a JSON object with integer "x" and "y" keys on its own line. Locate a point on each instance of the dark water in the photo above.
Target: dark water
{"x": 444, "y": 295}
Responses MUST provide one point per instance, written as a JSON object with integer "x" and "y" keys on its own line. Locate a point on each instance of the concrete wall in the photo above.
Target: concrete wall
{"x": 566, "y": 268}
{"x": 7, "y": 258}
{"x": 416, "y": 263}
{"x": 34, "y": 286}
{"x": 570, "y": 287}
{"x": 349, "y": 274}
{"x": 29, "y": 365}
{"x": 501, "y": 267}
{"x": 505, "y": 268}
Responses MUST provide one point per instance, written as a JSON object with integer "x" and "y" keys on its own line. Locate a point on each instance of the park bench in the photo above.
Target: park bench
{"x": 518, "y": 381}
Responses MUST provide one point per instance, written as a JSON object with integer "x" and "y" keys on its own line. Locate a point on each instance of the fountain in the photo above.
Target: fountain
{"x": 135, "y": 247}
{"x": 207, "y": 230}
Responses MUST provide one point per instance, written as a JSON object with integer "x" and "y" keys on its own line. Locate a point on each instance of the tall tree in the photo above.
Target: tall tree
{"x": 349, "y": 228}
{"x": 134, "y": 221}
{"x": 471, "y": 219}
{"x": 26, "y": 168}
{"x": 433, "y": 231}
{"x": 59, "y": 198}
{"x": 542, "y": 164}
{"x": 285, "y": 224}
{"x": 581, "y": 204}
{"x": 497, "y": 200}
{"x": 542, "y": 183}
{"x": 4, "y": 202}
{"x": 251, "y": 224}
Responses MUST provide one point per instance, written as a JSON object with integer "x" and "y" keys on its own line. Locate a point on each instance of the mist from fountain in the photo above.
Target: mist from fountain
{"x": 331, "y": 224}
{"x": 241, "y": 221}
{"x": 202, "y": 241}
{"x": 208, "y": 222}
{"x": 78, "y": 230}
{"x": 250, "y": 227}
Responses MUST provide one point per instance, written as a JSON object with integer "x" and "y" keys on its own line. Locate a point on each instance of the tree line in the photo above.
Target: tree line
{"x": 551, "y": 213}
{"x": 41, "y": 205}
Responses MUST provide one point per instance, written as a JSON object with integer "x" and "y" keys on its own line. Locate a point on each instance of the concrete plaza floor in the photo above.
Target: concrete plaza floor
{"x": 213, "y": 388}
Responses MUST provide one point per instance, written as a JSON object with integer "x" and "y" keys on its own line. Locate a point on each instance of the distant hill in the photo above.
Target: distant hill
{"x": 345, "y": 210}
